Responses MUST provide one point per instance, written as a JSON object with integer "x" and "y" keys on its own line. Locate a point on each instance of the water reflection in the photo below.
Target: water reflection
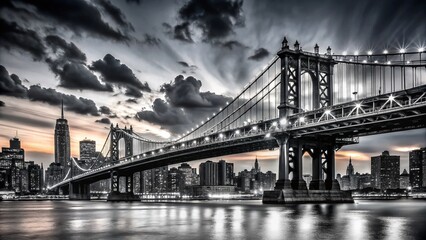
{"x": 212, "y": 220}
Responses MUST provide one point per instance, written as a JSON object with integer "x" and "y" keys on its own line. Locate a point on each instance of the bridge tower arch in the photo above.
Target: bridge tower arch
{"x": 294, "y": 63}
{"x": 116, "y": 135}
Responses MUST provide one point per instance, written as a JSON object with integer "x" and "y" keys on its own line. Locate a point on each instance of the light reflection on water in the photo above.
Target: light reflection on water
{"x": 212, "y": 220}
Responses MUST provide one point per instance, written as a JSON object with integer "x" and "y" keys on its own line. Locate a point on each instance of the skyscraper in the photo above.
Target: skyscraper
{"x": 209, "y": 174}
{"x": 385, "y": 171}
{"x": 417, "y": 165}
{"x": 62, "y": 141}
{"x": 226, "y": 173}
{"x": 87, "y": 151}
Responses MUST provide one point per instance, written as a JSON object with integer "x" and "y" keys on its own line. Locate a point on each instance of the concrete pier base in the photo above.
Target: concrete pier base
{"x": 288, "y": 196}
{"x": 124, "y": 197}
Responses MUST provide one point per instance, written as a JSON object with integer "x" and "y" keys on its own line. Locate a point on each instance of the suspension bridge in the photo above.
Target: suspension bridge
{"x": 301, "y": 103}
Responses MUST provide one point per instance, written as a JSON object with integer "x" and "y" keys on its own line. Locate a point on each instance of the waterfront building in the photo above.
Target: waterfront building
{"x": 385, "y": 171}
{"x": 404, "y": 180}
{"x": 173, "y": 180}
{"x": 12, "y": 160}
{"x": 154, "y": 180}
{"x": 417, "y": 166}
{"x": 87, "y": 151}
{"x": 225, "y": 173}
{"x": 209, "y": 174}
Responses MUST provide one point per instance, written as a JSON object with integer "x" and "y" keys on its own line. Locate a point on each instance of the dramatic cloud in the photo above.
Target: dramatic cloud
{"x": 259, "y": 54}
{"x": 232, "y": 44}
{"x": 114, "y": 72}
{"x": 16, "y": 37}
{"x": 66, "y": 51}
{"x": 72, "y": 103}
{"x": 11, "y": 85}
{"x": 132, "y": 100}
{"x": 115, "y": 13}
{"x": 185, "y": 105}
{"x": 103, "y": 121}
{"x": 88, "y": 19}
{"x": 165, "y": 115}
{"x": 105, "y": 110}
{"x": 151, "y": 40}
{"x": 77, "y": 76}
{"x": 186, "y": 93}
{"x": 215, "y": 19}
{"x": 183, "y": 64}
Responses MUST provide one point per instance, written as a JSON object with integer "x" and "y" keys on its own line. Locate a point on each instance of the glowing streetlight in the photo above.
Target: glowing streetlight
{"x": 283, "y": 121}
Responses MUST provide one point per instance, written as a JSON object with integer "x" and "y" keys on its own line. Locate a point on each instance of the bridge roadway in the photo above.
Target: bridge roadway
{"x": 384, "y": 113}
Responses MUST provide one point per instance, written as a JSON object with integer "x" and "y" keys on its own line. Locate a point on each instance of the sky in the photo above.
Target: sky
{"x": 161, "y": 66}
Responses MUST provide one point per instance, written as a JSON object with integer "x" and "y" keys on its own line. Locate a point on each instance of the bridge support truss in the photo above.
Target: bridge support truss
{"x": 79, "y": 191}
{"x": 115, "y": 194}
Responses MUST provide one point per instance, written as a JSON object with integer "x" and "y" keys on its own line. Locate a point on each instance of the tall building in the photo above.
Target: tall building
{"x": 154, "y": 180}
{"x": 62, "y": 141}
{"x": 225, "y": 173}
{"x": 12, "y": 163}
{"x": 417, "y": 165}
{"x": 385, "y": 171}
{"x": 404, "y": 180}
{"x": 54, "y": 174}
{"x": 87, "y": 151}
{"x": 188, "y": 176}
{"x": 209, "y": 174}
{"x": 173, "y": 180}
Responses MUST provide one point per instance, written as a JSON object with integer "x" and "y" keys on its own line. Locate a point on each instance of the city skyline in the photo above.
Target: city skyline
{"x": 148, "y": 52}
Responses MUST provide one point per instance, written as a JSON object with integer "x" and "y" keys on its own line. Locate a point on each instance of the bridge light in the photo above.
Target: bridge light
{"x": 370, "y": 52}
{"x": 375, "y": 61}
{"x": 202, "y": 122}
{"x": 402, "y": 50}
{"x": 364, "y": 61}
{"x": 194, "y": 142}
{"x": 152, "y": 153}
{"x": 248, "y": 120}
{"x": 206, "y": 138}
{"x": 254, "y": 128}
{"x": 208, "y": 118}
{"x": 408, "y": 62}
{"x": 302, "y": 119}
{"x": 389, "y": 62}
{"x": 214, "y": 114}
{"x": 197, "y": 125}
{"x": 220, "y": 135}
{"x": 345, "y": 53}
{"x": 350, "y": 60}
{"x": 356, "y": 53}
{"x": 227, "y": 103}
{"x": 358, "y": 105}
{"x": 327, "y": 111}
{"x": 421, "y": 49}
{"x": 385, "y": 51}
{"x": 237, "y": 132}
{"x": 274, "y": 124}
{"x": 192, "y": 129}
{"x": 220, "y": 109}
{"x": 268, "y": 135}
{"x": 144, "y": 154}
{"x": 183, "y": 145}
{"x": 173, "y": 147}
{"x": 161, "y": 150}
{"x": 391, "y": 97}
{"x": 283, "y": 121}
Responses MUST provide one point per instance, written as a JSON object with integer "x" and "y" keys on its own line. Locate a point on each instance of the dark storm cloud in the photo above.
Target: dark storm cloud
{"x": 165, "y": 115}
{"x": 134, "y": 1}
{"x": 12, "y": 36}
{"x": 11, "y": 85}
{"x": 132, "y": 100}
{"x": 186, "y": 93}
{"x": 104, "y": 121}
{"x": 215, "y": 19}
{"x": 72, "y": 103}
{"x": 69, "y": 51}
{"x": 183, "y": 64}
{"x": 259, "y": 54}
{"x": 105, "y": 110}
{"x": 114, "y": 72}
{"x": 181, "y": 32}
{"x": 77, "y": 76}
{"x": 115, "y": 13}
{"x": 2, "y": 104}
{"x": 231, "y": 44}
{"x": 77, "y": 15}
{"x": 185, "y": 105}
{"x": 150, "y": 40}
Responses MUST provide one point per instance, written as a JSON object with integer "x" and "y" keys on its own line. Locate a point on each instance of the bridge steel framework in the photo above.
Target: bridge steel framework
{"x": 270, "y": 113}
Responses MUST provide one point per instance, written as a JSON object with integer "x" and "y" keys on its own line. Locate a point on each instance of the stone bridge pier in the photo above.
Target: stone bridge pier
{"x": 79, "y": 191}
{"x": 115, "y": 194}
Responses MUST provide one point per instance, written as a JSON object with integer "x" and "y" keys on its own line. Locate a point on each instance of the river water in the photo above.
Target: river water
{"x": 403, "y": 219}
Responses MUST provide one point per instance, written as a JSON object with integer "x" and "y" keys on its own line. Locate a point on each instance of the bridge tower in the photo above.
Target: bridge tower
{"x": 116, "y": 135}
{"x": 319, "y": 67}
